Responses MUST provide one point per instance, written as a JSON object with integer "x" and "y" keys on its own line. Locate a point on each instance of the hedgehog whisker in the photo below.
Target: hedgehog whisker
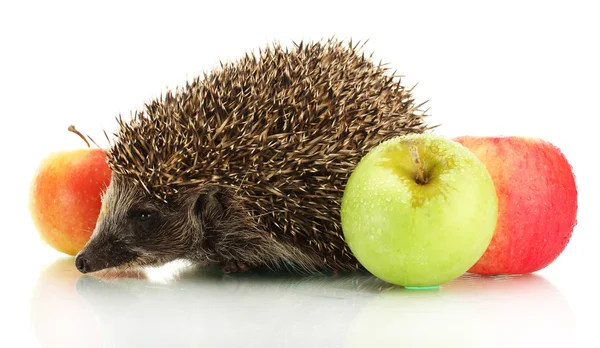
{"x": 104, "y": 273}
{"x": 127, "y": 266}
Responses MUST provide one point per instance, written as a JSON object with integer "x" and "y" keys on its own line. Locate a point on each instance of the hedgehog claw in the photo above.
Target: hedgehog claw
{"x": 234, "y": 267}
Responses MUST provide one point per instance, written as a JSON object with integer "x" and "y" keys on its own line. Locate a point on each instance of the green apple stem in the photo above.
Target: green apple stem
{"x": 414, "y": 154}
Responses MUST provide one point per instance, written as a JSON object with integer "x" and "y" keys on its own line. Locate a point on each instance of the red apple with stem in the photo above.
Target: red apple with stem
{"x": 65, "y": 196}
{"x": 537, "y": 203}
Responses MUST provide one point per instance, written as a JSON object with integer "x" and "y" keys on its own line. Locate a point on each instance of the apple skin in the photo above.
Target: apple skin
{"x": 417, "y": 235}
{"x": 65, "y": 197}
{"x": 537, "y": 203}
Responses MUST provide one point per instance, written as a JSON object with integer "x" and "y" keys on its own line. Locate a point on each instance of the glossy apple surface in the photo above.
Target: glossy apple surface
{"x": 414, "y": 232}
{"x": 65, "y": 197}
{"x": 537, "y": 203}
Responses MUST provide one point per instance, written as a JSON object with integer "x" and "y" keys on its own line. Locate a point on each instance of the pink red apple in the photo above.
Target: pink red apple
{"x": 65, "y": 197}
{"x": 537, "y": 203}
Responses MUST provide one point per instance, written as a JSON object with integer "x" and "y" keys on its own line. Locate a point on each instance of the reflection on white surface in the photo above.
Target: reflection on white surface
{"x": 204, "y": 308}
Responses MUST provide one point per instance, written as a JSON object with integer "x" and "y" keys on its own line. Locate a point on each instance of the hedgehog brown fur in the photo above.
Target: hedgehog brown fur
{"x": 280, "y": 131}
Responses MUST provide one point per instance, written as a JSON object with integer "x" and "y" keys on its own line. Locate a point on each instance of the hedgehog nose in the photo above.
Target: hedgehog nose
{"x": 82, "y": 264}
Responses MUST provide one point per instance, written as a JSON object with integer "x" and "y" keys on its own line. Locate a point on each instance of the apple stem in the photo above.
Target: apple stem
{"x": 74, "y": 130}
{"x": 92, "y": 140}
{"x": 414, "y": 154}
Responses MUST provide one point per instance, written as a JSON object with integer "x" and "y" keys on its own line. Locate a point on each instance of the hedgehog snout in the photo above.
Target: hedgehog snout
{"x": 87, "y": 262}
{"x": 82, "y": 263}
{"x": 100, "y": 254}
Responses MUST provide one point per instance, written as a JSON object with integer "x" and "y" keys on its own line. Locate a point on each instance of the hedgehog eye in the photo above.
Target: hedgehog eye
{"x": 142, "y": 215}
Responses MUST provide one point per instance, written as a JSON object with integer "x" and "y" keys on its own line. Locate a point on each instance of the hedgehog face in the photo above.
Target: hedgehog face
{"x": 136, "y": 229}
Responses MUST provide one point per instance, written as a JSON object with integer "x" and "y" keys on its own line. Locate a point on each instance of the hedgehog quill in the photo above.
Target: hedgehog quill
{"x": 245, "y": 167}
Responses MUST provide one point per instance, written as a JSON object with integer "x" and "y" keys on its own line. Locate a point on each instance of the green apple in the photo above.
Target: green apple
{"x": 419, "y": 210}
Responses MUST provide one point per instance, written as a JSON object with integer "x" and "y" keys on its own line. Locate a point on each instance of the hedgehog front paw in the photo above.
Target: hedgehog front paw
{"x": 235, "y": 267}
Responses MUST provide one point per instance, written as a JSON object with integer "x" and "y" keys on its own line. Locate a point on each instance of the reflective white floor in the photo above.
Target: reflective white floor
{"x": 184, "y": 307}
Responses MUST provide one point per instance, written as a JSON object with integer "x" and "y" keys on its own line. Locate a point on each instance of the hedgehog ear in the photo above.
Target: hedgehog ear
{"x": 209, "y": 205}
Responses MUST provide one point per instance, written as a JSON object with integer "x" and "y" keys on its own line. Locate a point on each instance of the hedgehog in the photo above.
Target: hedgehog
{"x": 245, "y": 166}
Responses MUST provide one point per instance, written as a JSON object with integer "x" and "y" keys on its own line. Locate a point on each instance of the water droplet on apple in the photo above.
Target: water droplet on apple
{"x": 450, "y": 163}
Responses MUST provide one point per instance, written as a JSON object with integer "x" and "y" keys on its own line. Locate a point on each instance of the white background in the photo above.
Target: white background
{"x": 508, "y": 68}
